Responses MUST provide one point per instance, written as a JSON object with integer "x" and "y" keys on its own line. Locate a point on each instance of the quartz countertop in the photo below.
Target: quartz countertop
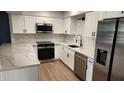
{"x": 13, "y": 56}
{"x": 85, "y": 51}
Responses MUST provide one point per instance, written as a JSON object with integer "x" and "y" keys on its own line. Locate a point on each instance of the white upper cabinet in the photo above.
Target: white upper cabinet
{"x": 47, "y": 20}
{"x": 23, "y": 24}
{"x": 110, "y": 14}
{"x": 69, "y": 25}
{"x": 58, "y": 25}
{"x": 114, "y": 14}
{"x": 44, "y": 20}
{"x": 101, "y": 15}
{"x": 80, "y": 27}
{"x": 39, "y": 19}
{"x": 91, "y": 22}
{"x": 30, "y": 24}
{"x": 18, "y": 24}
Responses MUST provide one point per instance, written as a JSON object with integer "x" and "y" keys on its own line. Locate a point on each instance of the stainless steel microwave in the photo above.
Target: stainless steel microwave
{"x": 43, "y": 27}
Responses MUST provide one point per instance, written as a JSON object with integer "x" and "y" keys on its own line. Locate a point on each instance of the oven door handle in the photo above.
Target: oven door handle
{"x": 46, "y": 47}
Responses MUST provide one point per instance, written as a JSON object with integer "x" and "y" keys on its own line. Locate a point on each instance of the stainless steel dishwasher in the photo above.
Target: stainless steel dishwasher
{"x": 80, "y": 65}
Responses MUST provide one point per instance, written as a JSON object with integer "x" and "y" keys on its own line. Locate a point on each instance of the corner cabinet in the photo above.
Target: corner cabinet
{"x": 23, "y": 24}
{"x": 91, "y": 22}
{"x": 69, "y": 25}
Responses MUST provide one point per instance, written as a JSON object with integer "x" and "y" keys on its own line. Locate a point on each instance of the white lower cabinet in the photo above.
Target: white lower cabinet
{"x": 61, "y": 53}
{"x": 89, "y": 71}
{"x": 22, "y": 74}
{"x": 68, "y": 58}
{"x": 66, "y": 55}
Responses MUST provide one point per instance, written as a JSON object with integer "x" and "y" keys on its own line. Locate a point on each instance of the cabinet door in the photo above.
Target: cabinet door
{"x": 18, "y": 23}
{"x": 47, "y": 20}
{"x": 39, "y": 19}
{"x": 30, "y": 24}
{"x": 23, "y": 74}
{"x": 67, "y": 23}
{"x": 64, "y": 55}
{"x": 91, "y": 23}
{"x": 101, "y": 15}
{"x": 58, "y": 51}
{"x": 73, "y": 26}
{"x": 80, "y": 27}
{"x": 69, "y": 58}
{"x": 114, "y": 14}
{"x": 58, "y": 25}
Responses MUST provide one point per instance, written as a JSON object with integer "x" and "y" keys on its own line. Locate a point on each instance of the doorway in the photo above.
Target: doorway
{"x": 5, "y": 36}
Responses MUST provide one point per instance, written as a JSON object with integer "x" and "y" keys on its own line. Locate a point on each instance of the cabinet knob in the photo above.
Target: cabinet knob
{"x": 93, "y": 33}
{"x": 66, "y": 31}
{"x": 67, "y": 55}
{"x": 25, "y": 30}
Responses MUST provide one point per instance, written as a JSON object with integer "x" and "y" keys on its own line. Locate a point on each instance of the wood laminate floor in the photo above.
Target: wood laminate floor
{"x": 56, "y": 71}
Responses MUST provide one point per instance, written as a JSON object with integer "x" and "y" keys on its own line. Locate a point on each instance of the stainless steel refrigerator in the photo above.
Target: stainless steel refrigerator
{"x": 109, "y": 52}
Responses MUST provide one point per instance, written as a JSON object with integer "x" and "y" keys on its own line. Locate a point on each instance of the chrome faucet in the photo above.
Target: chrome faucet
{"x": 79, "y": 40}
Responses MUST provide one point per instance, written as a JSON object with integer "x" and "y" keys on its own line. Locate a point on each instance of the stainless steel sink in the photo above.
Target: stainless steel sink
{"x": 73, "y": 46}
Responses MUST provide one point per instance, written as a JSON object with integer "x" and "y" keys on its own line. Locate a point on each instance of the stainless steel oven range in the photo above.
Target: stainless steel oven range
{"x": 45, "y": 50}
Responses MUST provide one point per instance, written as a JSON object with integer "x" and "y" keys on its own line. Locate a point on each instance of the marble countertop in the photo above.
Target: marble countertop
{"x": 85, "y": 51}
{"x": 13, "y": 56}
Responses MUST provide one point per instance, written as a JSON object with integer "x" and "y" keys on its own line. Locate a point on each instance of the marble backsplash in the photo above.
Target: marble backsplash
{"x": 69, "y": 38}
{"x": 32, "y": 38}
